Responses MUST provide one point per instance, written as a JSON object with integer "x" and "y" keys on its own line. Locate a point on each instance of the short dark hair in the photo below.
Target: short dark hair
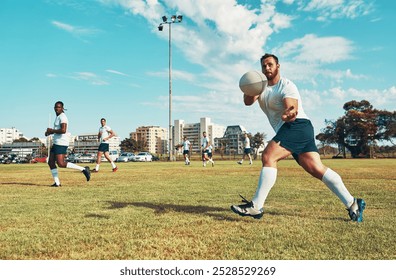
{"x": 60, "y": 103}
{"x": 102, "y": 119}
{"x": 269, "y": 55}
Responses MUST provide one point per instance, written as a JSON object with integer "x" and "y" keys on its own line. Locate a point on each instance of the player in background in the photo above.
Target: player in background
{"x": 281, "y": 102}
{"x": 247, "y": 149}
{"x": 210, "y": 154}
{"x": 206, "y": 149}
{"x": 104, "y": 134}
{"x": 60, "y": 144}
{"x": 186, "y": 150}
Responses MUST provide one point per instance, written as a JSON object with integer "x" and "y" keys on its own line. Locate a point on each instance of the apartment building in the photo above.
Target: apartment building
{"x": 8, "y": 135}
{"x": 155, "y": 137}
{"x": 194, "y": 131}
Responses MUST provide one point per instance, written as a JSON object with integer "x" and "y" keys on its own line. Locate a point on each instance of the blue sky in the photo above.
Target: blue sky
{"x": 106, "y": 58}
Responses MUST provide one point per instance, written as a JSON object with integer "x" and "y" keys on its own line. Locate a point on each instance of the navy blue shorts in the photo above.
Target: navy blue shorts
{"x": 247, "y": 151}
{"x": 297, "y": 137}
{"x": 206, "y": 152}
{"x": 103, "y": 147}
{"x": 58, "y": 150}
{"x": 186, "y": 152}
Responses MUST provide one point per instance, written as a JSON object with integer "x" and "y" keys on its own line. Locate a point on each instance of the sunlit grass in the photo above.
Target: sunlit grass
{"x": 165, "y": 210}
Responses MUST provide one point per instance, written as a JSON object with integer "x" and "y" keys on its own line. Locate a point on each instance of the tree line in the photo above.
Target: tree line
{"x": 360, "y": 130}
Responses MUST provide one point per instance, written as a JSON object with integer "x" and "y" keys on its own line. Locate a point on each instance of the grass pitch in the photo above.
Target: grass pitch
{"x": 169, "y": 211}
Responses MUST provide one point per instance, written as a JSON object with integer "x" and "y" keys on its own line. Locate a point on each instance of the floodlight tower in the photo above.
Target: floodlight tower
{"x": 173, "y": 19}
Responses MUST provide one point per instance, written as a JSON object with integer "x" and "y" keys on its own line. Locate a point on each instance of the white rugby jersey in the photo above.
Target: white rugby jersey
{"x": 246, "y": 142}
{"x": 104, "y": 133}
{"x": 271, "y": 102}
{"x": 61, "y": 139}
{"x": 186, "y": 145}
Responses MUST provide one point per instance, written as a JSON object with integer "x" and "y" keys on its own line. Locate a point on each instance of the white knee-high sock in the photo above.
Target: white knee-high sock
{"x": 334, "y": 182}
{"x": 55, "y": 175}
{"x": 266, "y": 182}
{"x": 74, "y": 166}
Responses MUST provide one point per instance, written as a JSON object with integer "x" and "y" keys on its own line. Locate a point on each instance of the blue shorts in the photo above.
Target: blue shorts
{"x": 297, "y": 137}
{"x": 103, "y": 147}
{"x": 247, "y": 151}
{"x": 58, "y": 150}
{"x": 186, "y": 152}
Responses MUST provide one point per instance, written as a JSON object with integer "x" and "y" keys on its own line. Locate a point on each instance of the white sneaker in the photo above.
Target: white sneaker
{"x": 247, "y": 209}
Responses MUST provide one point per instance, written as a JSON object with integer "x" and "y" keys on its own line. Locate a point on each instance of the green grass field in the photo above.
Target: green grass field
{"x": 170, "y": 211}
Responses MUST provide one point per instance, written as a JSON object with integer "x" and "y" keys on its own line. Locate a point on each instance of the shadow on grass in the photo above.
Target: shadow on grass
{"x": 97, "y": 216}
{"x": 20, "y": 184}
{"x": 162, "y": 208}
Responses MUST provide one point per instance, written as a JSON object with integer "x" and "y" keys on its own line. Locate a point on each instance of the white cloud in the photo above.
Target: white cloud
{"x": 75, "y": 30}
{"x": 116, "y": 72}
{"x": 313, "y": 49}
{"x": 176, "y": 74}
{"x": 332, "y": 9}
{"x": 90, "y": 77}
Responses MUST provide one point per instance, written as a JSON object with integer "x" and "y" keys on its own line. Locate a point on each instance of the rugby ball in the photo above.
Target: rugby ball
{"x": 253, "y": 83}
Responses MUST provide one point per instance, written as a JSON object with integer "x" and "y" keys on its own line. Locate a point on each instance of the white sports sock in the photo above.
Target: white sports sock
{"x": 334, "y": 182}
{"x": 266, "y": 182}
{"x": 74, "y": 166}
{"x": 97, "y": 167}
{"x": 55, "y": 175}
{"x": 112, "y": 164}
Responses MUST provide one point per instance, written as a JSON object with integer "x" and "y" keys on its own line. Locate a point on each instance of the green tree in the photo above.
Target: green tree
{"x": 359, "y": 128}
{"x": 256, "y": 142}
{"x": 20, "y": 140}
{"x": 131, "y": 145}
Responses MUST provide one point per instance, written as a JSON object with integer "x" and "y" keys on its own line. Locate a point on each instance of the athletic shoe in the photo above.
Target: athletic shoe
{"x": 355, "y": 212}
{"x": 94, "y": 170}
{"x": 55, "y": 185}
{"x": 239, "y": 162}
{"x": 87, "y": 173}
{"x": 115, "y": 169}
{"x": 247, "y": 209}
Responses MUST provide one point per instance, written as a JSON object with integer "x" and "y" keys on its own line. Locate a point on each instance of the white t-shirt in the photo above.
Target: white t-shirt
{"x": 205, "y": 142}
{"x": 271, "y": 102}
{"x": 61, "y": 139}
{"x": 246, "y": 143}
{"x": 186, "y": 145}
{"x": 105, "y": 132}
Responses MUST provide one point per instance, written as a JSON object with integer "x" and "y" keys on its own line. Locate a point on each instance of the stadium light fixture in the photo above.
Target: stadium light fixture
{"x": 174, "y": 19}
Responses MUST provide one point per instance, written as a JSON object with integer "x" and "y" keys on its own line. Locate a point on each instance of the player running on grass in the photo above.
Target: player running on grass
{"x": 186, "y": 150}
{"x": 60, "y": 145}
{"x": 104, "y": 134}
{"x": 246, "y": 149}
{"x": 206, "y": 149}
{"x": 281, "y": 102}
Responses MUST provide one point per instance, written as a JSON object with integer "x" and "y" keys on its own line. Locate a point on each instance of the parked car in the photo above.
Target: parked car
{"x": 11, "y": 158}
{"x": 125, "y": 157}
{"x": 143, "y": 156}
{"x": 91, "y": 158}
{"x": 113, "y": 154}
{"x": 73, "y": 157}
